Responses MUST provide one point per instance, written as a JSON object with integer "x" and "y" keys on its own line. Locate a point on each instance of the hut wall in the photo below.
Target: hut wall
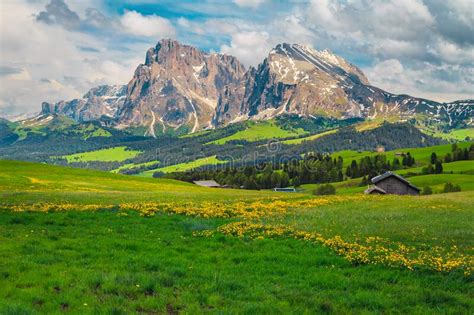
{"x": 393, "y": 186}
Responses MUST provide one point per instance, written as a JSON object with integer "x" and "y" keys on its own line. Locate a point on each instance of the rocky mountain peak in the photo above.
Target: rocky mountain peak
{"x": 177, "y": 87}
{"x": 182, "y": 88}
{"x": 168, "y": 51}
{"x": 99, "y": 101}
{"x": 293, "y": 63}
{"x": 300, "y": 80}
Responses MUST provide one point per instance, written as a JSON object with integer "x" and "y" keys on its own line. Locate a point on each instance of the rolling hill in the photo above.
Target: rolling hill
{"x": 83, "y": 240}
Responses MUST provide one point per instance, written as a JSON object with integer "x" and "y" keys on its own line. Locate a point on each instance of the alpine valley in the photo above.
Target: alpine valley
{"x": 184, "y": 105}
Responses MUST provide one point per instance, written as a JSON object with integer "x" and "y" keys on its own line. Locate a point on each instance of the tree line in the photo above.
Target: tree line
{"x": 313, "y": 168}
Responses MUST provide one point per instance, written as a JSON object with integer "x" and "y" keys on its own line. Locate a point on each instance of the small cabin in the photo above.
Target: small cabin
{"x": 286, "y": 189}
{"x": 207, "y": 183}
{"x": 391, "y": 183}
{"x": 374, "y": 190}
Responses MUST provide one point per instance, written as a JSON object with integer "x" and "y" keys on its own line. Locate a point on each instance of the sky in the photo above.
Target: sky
{"x": 53, "y": 50}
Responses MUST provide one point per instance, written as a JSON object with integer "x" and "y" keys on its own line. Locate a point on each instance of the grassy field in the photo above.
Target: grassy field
{"x": 117, "y": 154}
{"x": 23, "y": 182}
{"x": 91, "y": 131}
{"x": 370, "y": 124}
{"x": 260, "y": 131}
{"x": 84, "y": 241}
{"x": 455, "y": 134}
{"x": 181, "y": 167}
{"x": 309, "y": 138}
{"x": 435, "y": 181}
{"x": 421, "y": 155}
{"x": 133, "y": 165}
{"x": 458, "y": 167}
{"x": 462, "y": 175}
{"x": 462, "y": 134}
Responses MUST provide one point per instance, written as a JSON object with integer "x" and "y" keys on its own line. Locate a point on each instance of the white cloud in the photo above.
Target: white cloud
{"x": 452, "y": 53}
{"x": 404, "y": 25}
{"x": 150, "y": 25}
{"x": 45, "y": 62}
{"x": 21, "y": 75}
{"x": 428, "y": 81}
{"x": 251, "y": 42}
{"x": 248, "y": 47}
{"x": 249, "y": 3}
{"x": 184, "y": 22}
{"x": 462, "y": 10}
{"x": 417, "y": 46}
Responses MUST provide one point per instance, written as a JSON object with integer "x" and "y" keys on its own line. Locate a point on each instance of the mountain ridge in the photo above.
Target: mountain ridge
{"x": 182, "y": 89}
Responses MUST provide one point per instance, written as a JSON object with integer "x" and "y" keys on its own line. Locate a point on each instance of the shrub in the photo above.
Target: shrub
{"x": 449, "y": 187}
{"x": 427, "y": 190}
{"x": 296, "y": 182}
{"x": 158, "y": 174}
{"x": 325, "y": 189}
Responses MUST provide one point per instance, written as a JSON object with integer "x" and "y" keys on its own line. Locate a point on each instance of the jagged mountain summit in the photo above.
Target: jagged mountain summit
{"x": 177, "y": 86}
{"x": 100, "y": 101}
{"x": 300, "y": 80}
{"x": 292, "y": 79}
{"x": 181, "y": 88}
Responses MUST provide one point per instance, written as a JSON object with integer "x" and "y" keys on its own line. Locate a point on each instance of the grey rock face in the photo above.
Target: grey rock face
{"x": 180, "y": 86}
{"x": 300, "y": 80}
{"x": 99, "y": 101}
{"x": 177, "y": 86}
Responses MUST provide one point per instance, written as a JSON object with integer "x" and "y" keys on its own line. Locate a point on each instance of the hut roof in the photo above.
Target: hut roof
{"x": 372, "y": 189}
{"x": 386, "y": 175}
{"x": 207, "y": 183}
{"x": 284, "y": 189}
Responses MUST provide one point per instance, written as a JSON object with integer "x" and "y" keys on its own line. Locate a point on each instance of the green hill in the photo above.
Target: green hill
{"x": 32, "y": 181}
{"x": 118, "y": 154}
{"x": 87, "y": 241}
{"x": 261, "y": 131}
{"x": 459, "y": 173}
{"x": 182, "y": 167}
{"x": 421, "y": 155}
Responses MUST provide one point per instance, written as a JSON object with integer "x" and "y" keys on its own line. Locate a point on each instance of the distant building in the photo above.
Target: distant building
{"x": 286, "y": 189}
{"x": 207, "y": 183}
{"x": 374, "y": 190}
{"x": 391, "y": 183}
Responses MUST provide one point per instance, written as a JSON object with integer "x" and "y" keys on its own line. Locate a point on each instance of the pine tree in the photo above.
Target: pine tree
{"x": 448, "y": 158}
{"x": 349, "y": 172}
{"x": 396, "y": 163}
{"x": 296, "y": 182}
{"x": 284, "y": 180}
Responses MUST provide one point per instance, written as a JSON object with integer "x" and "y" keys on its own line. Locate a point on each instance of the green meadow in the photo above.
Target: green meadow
{"x": 462, "y": 134}
{"x": 27, "y": 182}
{"x": 309, "y": 138}
{"x": 182, "y": 167}
{"x": 115, "y": 261}
{"x": 260, "y": 131}
{"x": 421, "y": 155}
{"x": 129, "y": 166}
{"x": 460, "y": 173}
{"x": 117, "y": 154}
{"x": 458, "y": 167}
{"x": 455, "y": 134}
